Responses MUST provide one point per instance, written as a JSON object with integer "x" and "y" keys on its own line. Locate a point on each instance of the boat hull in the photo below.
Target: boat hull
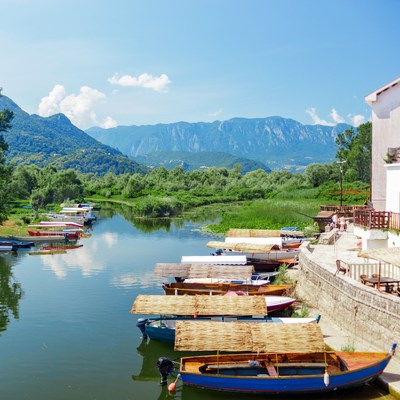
{"x": 183, "y": 288}
{"x": 163, "y": 329}
{"x": 307, "y": 380}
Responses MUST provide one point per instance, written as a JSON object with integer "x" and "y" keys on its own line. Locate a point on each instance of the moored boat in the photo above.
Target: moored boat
{"x": 163, "y": 328}
{"x": 275, "y": 359}
{"x": 199, "y": 308}
{"x": 16, "y": 243}
{"x": 72, "y": 234}
{"x": 199, "y": 288}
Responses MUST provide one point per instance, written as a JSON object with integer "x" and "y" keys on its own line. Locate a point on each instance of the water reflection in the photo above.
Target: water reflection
{"x": 147, "y": 225}
{"x": 82, "y": 258}
{"x": 10, "y": 293}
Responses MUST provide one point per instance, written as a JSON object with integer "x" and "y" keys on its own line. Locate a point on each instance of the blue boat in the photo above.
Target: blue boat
{"x": 304, "y": 373}
{"x": 15, "y": 243}
{"x": 162, "y": 329}
{"x": 203, "y": 308}
{"x": 283, "y": 359}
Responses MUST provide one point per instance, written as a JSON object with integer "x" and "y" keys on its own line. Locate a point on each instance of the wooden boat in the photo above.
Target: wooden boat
{"x": 16, "y": 243}
{"x": 162, "y": 328}
{"x": 185, "y": 288}
{"x": 68, "y": 217}
{"x": 59, "y": 224}
{"x": 85, "y": 212}
{"x": 70, "y": 233}
{"x": 7, "y": 247}
{"x": 69, "y": 230}
{"x": 172, "y": 309}
{"x": 279, "y": 359}
{"x": 47, "y": 239}
{"x": 266, "y": 266}
{"x": 255, "y": 251}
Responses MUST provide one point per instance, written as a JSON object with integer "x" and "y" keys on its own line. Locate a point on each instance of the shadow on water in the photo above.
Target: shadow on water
{"x": 10, "y": 293}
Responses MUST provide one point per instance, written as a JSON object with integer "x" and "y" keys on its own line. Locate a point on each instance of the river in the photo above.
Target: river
{"x": 66, "y": 331}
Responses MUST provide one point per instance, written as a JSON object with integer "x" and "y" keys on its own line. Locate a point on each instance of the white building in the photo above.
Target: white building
{"x": 385, "y": 178}
{"x": 385, "y": 168}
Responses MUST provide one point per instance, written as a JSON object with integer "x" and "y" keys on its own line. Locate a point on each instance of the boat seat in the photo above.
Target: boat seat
{"x": 301, "y": 365}
{"x": 271, "y": 369}
{"x": 228, "y": 365}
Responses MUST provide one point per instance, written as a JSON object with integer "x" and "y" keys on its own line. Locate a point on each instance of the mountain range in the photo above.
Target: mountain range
{"x": 257, "y": 143}
{"x": 278, "y": 143}
{"x": 57, "y": 142}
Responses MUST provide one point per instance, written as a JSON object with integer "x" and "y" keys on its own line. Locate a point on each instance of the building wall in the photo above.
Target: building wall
{"x": 361, "y": 311}
{"x": 393, "y": 187}
{"x": 385, "y": 133}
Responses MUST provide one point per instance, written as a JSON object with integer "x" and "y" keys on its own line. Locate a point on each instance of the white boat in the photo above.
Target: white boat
{"x": 219, "y": 260}
{"x": 255, "y": 282}
{"x": 59, "y": 224}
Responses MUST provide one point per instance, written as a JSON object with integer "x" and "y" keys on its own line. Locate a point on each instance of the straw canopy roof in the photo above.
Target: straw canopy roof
{"x": 390, "y": 255}
{"x": 248, "y": 336}
{"x": 247, "y": 247}
{"x": 199, "y": 305}
{"x": 262, "y": 233}
{"x": 203, "y": 271}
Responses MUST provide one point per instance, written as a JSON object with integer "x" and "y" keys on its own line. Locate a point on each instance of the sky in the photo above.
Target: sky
{"x": 129, "y": 62}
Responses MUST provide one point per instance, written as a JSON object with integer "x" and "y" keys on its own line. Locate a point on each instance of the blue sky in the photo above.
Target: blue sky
{"x": 107, "y": 63}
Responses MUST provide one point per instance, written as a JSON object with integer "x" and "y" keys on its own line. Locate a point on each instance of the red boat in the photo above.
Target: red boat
{"x": 73, "y": 234}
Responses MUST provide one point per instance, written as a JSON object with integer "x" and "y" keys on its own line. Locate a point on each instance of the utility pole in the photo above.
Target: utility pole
{"x": 340, "y": 162}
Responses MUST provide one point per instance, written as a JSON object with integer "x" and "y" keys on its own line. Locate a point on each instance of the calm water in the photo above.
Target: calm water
{"x": 70, "y": 335}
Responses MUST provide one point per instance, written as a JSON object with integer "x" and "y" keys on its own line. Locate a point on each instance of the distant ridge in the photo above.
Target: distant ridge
{"x": 201, "y": 160}
{"x": 277, "y": 142}
{"x": 57, "y": 142}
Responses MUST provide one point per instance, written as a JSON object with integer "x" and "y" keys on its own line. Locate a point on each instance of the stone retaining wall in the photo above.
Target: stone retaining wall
{"x": 361, "y": 311}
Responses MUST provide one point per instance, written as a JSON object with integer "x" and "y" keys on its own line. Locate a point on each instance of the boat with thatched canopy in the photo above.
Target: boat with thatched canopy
{"x": 199, "y": 309}
{"x": 211, "y": 288}
{"x": 268, "y": 359}
{"x": 255, "y": 251}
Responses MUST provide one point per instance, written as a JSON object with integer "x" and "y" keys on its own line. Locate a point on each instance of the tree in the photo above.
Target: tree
{"x": 6, "y": 117}
{"x": 355, "y": 149}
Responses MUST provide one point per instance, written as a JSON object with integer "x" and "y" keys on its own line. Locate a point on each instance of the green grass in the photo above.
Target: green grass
{"x": 268, "y": 214}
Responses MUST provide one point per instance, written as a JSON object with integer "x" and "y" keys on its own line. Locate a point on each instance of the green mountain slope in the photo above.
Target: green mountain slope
{"x": 192, "y": 161}
{"x": 56, "y": 141}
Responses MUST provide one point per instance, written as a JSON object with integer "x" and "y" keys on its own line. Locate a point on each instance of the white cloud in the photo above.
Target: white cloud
{"x": 355, "y": 120}
{"x": 216, "y": 113}
{"x": 50, "y": 104}
{"x": 159, "y": 84}
{"x": 336, "y": 117}
{"x": 316, "y": 119}
{"x": 109, "y": 123}
{"x": 78, "y": 108}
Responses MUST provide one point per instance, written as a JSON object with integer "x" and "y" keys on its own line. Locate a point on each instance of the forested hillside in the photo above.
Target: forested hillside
{"x": 57, "y": 142}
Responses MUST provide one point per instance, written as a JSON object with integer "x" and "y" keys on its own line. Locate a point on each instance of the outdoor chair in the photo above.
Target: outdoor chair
{"x": 342, "y": 267}
{"x": 363, "y": 281}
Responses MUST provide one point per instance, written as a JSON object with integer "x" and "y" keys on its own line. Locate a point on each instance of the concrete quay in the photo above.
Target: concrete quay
{"x": 346, "y": 307}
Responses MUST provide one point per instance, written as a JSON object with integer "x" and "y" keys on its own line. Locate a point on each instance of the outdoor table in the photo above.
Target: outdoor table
{"x": 384, "y": 280}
